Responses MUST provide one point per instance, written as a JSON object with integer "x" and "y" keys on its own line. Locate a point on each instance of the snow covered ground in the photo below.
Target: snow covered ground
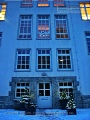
{"x": 44, "y": 114}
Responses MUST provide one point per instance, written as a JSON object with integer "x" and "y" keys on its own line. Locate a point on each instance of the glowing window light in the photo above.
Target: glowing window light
{"x": 42, "y": 3}
{"x": 85, "y": 11}
{"x": 2, "y": 11}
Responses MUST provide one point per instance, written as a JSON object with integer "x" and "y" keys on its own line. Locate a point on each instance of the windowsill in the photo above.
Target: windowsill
{"x": 43, "y": 39}
{"x": 22, "y": 70}
{"x": 85, "y": 20}
{"x": 42, "y": 6}
{"x": 26, "y": 6}
{"x": 65, "y": 70}
{"x": 44, "y": 70}
{"x": 59, "y": 6}
{"x": 24, "y": 39}
{"x": 62, "y": 38}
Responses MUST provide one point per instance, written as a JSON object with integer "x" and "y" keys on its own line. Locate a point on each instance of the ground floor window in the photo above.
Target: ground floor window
{"x": 68, "y": 86}
{"x": 20, "y": 87}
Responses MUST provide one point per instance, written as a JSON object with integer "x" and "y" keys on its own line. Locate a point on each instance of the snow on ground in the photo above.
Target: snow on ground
{"x": 44, "y": 114}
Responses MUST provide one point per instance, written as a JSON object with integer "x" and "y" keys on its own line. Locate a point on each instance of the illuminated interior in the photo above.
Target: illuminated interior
{"x": 27, "y": 3}
{"x": 2, "y": 11}
{"x": 43, "y": 3}
{"x": 59, "y": 3}
{"x": 85, "y": 11}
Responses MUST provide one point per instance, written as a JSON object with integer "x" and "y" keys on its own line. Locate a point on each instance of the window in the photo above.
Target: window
{"x": 85, "y": 11}
{"x": 43, "y": 27}
{"x": 26, "y": 3}
{"x": 42, "y": 3}
{"x": 44, "y": 59}
{"x": 2, "y": 11}
{"x": 68, "y": 86}
{"x": 25, "y": 29}
{"x": 64, "y": 59}
{"x": 0, "y": 38}
{"x": 61, "y": 27}
{"x": 20, "y": 87}
{"x": 59, "y": 3}
{"x": 23, "y": 59}
{"x": 88, "y": 41}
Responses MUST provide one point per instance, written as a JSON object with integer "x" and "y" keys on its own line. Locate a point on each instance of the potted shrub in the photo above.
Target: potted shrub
{"x": 63, "y": 100}
{"x": 71, "y": 107}
{"x": 16, "y": 104}
{"x": 24, "y": 99}
{"x": 27, "y": 103}
{"x": 30, "y": 108}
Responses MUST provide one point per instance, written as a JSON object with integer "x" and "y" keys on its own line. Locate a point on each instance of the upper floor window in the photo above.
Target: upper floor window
{"x": 23, "y": 59}
{"x": 64, "y": 59}
{"x": 59, "y": 3}
{"x": 44, "y": 59}
{"x": 88, "y": 41}
{"x": 0, "y": 38}
{"x": 43, "y": 27}
{"x": 26, "y": 3}
{"x": 61, "y": 27}
{"x": 2, "y": 11}
{"x": 25, "y": 29}
{"x": 85, "y": 11}
{"x": 42, "y": 3}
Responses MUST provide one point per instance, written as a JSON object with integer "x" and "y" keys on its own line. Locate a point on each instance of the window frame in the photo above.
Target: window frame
{"x": 45, "y": 15}
{"x": 86, "y": 14}
{"x": 66, "y": 87}
{"x": 25, "y": 4}
{"x": 88, "y": 46}
{"x": 0, "y": 38}
{"x": 67, "y": 27}
{"x": 3, "y": 11}
{"x": 21, "y": 87}
{"x": 16, "y": 69}
{"x": 43, "y": 55}
{"x": 58, "y": 5}
{"x": 70, "y": 55}
{"x": 19, "y": 26}
{"x": 43, "y": 3}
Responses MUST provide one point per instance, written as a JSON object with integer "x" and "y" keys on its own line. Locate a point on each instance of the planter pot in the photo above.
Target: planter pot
{"x": 63, "y": 104}
{"x": 22, "y": 106}
{"x": 30, "y": 110}
{"x": 71, "y": 111}
{"x": 16, "y": 104}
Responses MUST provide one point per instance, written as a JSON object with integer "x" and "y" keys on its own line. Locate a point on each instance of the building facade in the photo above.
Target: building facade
{"x": 45, "y": 46}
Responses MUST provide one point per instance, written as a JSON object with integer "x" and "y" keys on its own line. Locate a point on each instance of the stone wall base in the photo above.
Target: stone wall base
{"x": 82, "y": 101}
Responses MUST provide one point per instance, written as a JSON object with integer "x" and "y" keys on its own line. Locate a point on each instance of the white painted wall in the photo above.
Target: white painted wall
{"x": 9, "y": 27}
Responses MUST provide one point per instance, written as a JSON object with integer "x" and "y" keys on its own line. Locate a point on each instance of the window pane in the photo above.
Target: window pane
{"x": 2, "y": 11}
{"x": 23, "y": 59}
{"x": 59, "y": 3}
{"x": 43, "y": 27}
{"x": 88, "y": 41}
{"x": 26, "y": 3}
{"x": 43, "y": 3}
{"x": 61, "y": 27}
{"x": 41, "y": 86}
{"x": 41, "y": 92}
{"x": 43, "y": 59}
{"x": 47, "y": 92}
{"x": 47, "y": 85}
{"x": 85, "y": 11}
{"x": 25, "y": 27}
